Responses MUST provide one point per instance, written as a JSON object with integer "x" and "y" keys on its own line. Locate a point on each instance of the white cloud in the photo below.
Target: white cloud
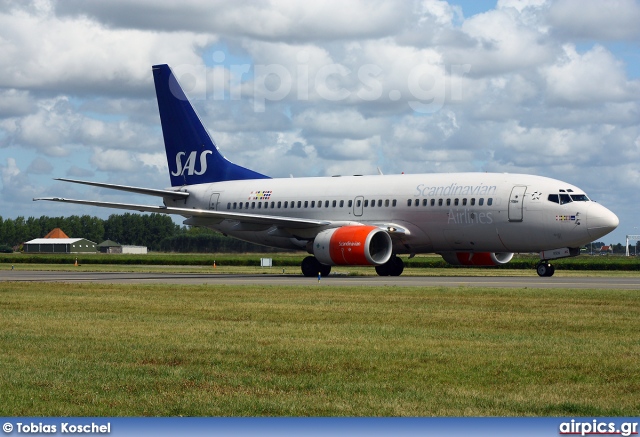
{"x": 593, "y": 77}
{"x": 115, "y": 160}
{"x": 40, "y": 166}
{"x": 505, "y": 40}
{"x": 270, "y": 20}
{"x": 593, "y": 19}
{"x": 348, "y": 123}
{"x": 44, "y": 52}
{"x": 16, "y": 186}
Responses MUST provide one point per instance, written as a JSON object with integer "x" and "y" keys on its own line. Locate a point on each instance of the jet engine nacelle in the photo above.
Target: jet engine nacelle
{"x": 477, "y": 258}
{"x": 353, "y": 245}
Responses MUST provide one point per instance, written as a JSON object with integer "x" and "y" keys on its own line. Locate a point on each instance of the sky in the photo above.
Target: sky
{"x": 305, "y": 88}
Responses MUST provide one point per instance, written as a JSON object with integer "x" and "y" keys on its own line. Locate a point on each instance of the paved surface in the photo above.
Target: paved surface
{"x": 625, "y": 283}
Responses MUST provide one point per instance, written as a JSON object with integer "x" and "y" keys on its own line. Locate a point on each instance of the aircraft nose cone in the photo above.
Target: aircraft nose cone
{"x": 600, "y": 221}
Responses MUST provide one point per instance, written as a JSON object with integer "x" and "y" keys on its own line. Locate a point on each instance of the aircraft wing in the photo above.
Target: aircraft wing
{"x": 148, "y": 191}
{"x": 202, "y": 215}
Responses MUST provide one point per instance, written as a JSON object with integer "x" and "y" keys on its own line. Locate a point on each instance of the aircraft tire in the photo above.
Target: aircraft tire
{"x": 393, "y": 267}
{"x": 310, "y": 267}
{"x": 397, "y": 266}
{"x": 383, "y": 270}
{"x": 545, "y": 270}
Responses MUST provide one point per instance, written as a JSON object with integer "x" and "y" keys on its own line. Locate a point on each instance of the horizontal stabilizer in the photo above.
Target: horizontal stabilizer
{"x": 170, "y": 194}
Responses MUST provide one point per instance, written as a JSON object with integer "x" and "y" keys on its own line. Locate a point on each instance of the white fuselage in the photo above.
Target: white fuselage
{"x": 483, "y": 212}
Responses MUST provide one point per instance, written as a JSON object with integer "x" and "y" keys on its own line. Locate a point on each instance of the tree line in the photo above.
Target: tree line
{"x": 158, "y": 232}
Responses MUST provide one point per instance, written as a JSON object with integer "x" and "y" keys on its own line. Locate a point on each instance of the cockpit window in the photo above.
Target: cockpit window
{"x": 579, "y": 198}
{"x": 565, "y": 198}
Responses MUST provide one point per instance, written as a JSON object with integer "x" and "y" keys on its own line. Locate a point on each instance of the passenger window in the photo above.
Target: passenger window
{"x": 366, "y": 203}
{"x": 326, "y": 204}
{"x": 481, "y": 202}
{"x": 433, "y": 202}
{"x": 342, "y": 204}
{"x": 246, "y": 205}
{"x": 394, "y": 203}
{"x": 350, "y": 204}
{"x": 424, "y": 202}
{"x": 456, "y": 202}
{"x": 416, "y": 203}
{"x": 440, "y": 202}
{"x": 313, "y": 204}
{"x": 229, "y": 205}
{"x": 386, "y": 203}
{"x": 358, "y": 203}
{"x": 490, "y": 201}
{"x": 409, "y": 202}
{"x": 235, "y": 205}
{"x": 273, "y": 205}
{"x": 253, "y": 205}
{"x": 299, "y": 203}
{"x": 464, "y": 202}
{"x": 448, "y": 202}
{"x": 259, "y": 205}
{"x": 473, "y": 201}
{"x": 334, "y": 203}
{"x": 279, "y": 204}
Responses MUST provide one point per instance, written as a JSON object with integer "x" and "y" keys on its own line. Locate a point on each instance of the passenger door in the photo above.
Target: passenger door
{"x": 516, "y": 203}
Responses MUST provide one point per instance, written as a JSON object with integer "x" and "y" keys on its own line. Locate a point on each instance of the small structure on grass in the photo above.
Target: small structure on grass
{"x": 109, "y": 246}
{"x": 57, "y": 241}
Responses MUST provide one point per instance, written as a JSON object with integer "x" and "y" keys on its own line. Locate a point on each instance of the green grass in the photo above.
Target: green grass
{"x": 120, "y": 350}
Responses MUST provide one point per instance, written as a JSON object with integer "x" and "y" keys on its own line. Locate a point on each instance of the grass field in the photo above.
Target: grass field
{"x": 120, "y": 350}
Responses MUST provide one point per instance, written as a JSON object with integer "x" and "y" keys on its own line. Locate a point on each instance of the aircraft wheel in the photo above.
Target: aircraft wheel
{"x": 397, "y": 266}
{"x": 393, "y": 267}
{"x": 383, "y": 270}
{"x": 311, "y": 267}
{"x": 324, "y": 270}
{"x": 544, "y": 269}
{"x": 552, "y": 270}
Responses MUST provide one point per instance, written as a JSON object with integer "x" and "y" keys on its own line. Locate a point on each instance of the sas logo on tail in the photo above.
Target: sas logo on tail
{"x": 190, "y": 165}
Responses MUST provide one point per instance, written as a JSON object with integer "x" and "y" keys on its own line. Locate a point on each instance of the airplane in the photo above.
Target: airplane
{"x": 470, "y": 219}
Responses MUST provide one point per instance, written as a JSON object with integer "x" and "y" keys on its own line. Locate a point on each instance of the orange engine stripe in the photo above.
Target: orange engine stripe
{"x": 348, "y": 245}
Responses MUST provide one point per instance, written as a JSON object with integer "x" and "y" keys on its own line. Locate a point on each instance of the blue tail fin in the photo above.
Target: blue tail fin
{"x": 191, "y": 153}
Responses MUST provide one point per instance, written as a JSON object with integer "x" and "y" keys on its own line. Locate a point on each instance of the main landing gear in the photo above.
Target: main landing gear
{"x": 393, "y": 267}
{"x": 545, "y": 269}
{"x": 311, "y": 267}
